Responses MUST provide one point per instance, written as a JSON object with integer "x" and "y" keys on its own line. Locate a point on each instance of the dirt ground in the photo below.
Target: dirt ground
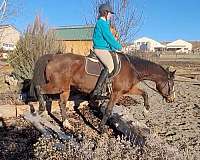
{"x": 175, "y": 132}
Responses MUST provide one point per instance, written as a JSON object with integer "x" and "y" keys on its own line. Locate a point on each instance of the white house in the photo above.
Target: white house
{"x": 148, "y": 44}
{"x": 179, "y": 46}
{"x": 9, "y": 36}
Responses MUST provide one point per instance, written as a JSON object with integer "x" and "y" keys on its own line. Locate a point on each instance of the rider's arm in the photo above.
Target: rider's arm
{"x": 108, "y": 36}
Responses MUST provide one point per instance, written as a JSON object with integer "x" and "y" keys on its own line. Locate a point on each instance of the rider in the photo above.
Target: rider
{"x": 104, "y": 43}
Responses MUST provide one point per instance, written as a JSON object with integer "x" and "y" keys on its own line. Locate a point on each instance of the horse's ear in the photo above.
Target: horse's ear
{"x": 167, "y": 69}
{"x": 173, "y": 73}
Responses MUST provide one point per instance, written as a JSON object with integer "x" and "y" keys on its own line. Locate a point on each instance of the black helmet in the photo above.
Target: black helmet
{"x": 105, "y": 7}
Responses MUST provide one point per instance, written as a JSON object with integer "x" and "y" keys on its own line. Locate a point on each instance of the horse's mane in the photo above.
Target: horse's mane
{"x": 143, "y": 64}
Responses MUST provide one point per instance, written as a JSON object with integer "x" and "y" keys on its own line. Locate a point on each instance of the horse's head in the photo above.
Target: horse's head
{"x": 166, "y": 87}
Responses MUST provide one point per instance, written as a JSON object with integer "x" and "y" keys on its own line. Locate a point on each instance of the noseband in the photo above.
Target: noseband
{"x": 170, "y": 92}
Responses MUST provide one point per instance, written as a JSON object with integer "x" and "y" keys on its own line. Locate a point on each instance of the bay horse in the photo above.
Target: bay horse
{"x": 56, "y": 73}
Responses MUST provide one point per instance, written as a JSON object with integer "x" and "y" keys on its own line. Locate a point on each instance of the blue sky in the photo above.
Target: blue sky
{"x": 163, "y": 20}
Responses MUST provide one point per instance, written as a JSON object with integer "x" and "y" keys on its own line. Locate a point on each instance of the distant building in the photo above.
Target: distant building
{"x": 147, "y": 45}
{"x": 179, "y": 46}
{"x": 195, "y": 46}
{"x": 9, "y": 36}
{"x": 76, "y": 39}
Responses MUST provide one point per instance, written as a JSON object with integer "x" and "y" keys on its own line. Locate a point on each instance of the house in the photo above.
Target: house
{"x": 76, "y": 39}
{"x": 179, "y": 46}
{"x": 195, "y": 46}
{"x": 147, "y": 44}
{"x": 9, "y": 36}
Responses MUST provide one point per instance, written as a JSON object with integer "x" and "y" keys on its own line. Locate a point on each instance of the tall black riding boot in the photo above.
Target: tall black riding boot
{"x": 102, "y": 78}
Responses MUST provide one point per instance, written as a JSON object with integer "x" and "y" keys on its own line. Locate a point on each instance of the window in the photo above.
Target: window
{"x": 8, "y": 45}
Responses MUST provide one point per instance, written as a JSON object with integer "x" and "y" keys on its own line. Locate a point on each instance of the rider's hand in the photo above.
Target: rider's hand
{"x": 117, "y": 51}
{"x": 123, "y": 49}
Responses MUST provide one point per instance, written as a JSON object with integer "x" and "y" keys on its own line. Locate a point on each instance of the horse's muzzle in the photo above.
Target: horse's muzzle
{"x": 170, "y": 99}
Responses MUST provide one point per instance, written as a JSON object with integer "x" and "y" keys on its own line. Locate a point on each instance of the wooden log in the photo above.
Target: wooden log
{"x": 135, "y": 131}
{"x": 132, "y": 129}
{"x": 45, "y": 127}
{"x": 35, "y": 120}
{"x": 135, "y": 134}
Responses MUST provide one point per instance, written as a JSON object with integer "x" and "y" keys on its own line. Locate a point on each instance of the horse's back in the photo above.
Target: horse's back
{"x": 67, "y": 56}
{"x": 64, "y": 65}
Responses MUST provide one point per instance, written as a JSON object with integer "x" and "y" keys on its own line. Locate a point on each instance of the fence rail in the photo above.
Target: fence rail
{"x": 159, "y": 56}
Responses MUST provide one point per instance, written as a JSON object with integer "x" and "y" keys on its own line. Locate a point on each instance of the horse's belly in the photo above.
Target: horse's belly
{"x": 84, "y": 83}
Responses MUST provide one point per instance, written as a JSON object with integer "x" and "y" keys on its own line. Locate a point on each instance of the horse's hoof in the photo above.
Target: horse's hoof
{"x": 145, "y": 112}
{"x": 147, "y": 107}
{"x": 42, "y": 112}
{"x": 67, "y": 125}
{"x": 102, "y": 129}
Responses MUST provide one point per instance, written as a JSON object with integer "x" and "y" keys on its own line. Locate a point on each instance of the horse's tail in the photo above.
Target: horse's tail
{"x": 39, "y": 73}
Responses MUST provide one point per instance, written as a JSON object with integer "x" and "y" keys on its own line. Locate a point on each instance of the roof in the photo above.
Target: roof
{"x": 74, "y": 32}
{"x": 146, "y": 39}
{"x": 178, "y": 43}
{"x": 9, "y": 25}
{"x": 143, "y": 39}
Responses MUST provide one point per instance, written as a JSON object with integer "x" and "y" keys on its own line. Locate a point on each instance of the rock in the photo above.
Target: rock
{"x": 196, "y": 111}
{"x": 170, "y": 133}
{"x": 10, "y": 80}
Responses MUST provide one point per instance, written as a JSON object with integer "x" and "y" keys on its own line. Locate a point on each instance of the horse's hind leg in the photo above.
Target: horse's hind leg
{"x": 50, "y": 88}
{"x": 62, "y": 103}
{"x": 41, "y": 100}
{"x": 49, "y": 104}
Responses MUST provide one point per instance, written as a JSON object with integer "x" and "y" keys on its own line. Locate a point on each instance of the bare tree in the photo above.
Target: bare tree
{"x": 127, "y": 19}
{"x": 3, "y": 9}
{"x": 36, "y": 41}
{"x": 9, "y": 9}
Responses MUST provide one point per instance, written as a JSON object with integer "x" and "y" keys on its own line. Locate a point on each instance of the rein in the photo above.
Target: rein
{"x": 140, "y": 77}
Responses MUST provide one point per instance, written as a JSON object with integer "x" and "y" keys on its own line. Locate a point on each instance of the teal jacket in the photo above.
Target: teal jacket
{"x": 103, "y": 38}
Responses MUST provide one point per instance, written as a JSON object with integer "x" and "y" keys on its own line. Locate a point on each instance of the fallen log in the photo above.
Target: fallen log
{"x": 45, "y": 127}
{"x": 35, "y": 120}
{"x": 133, "y": 130}
{"x": 135, "y": 134}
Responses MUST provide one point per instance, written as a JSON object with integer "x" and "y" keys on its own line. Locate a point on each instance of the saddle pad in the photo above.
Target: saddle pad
{"x": 93, "y": 66}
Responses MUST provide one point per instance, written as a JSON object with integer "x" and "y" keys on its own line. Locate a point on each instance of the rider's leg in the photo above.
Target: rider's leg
{"x": 106, "y": 58}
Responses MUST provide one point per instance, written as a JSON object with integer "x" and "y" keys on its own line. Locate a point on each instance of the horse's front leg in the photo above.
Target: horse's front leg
{"x": 62, "y": 103}
{"x": 113, "y": 99}
{"x": 137, "y": 91}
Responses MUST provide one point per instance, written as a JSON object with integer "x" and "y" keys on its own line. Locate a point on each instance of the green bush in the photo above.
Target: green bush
{"x": 35, "y": 42}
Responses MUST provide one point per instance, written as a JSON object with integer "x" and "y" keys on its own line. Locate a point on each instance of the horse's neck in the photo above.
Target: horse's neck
{"x": 150, "y": 71}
